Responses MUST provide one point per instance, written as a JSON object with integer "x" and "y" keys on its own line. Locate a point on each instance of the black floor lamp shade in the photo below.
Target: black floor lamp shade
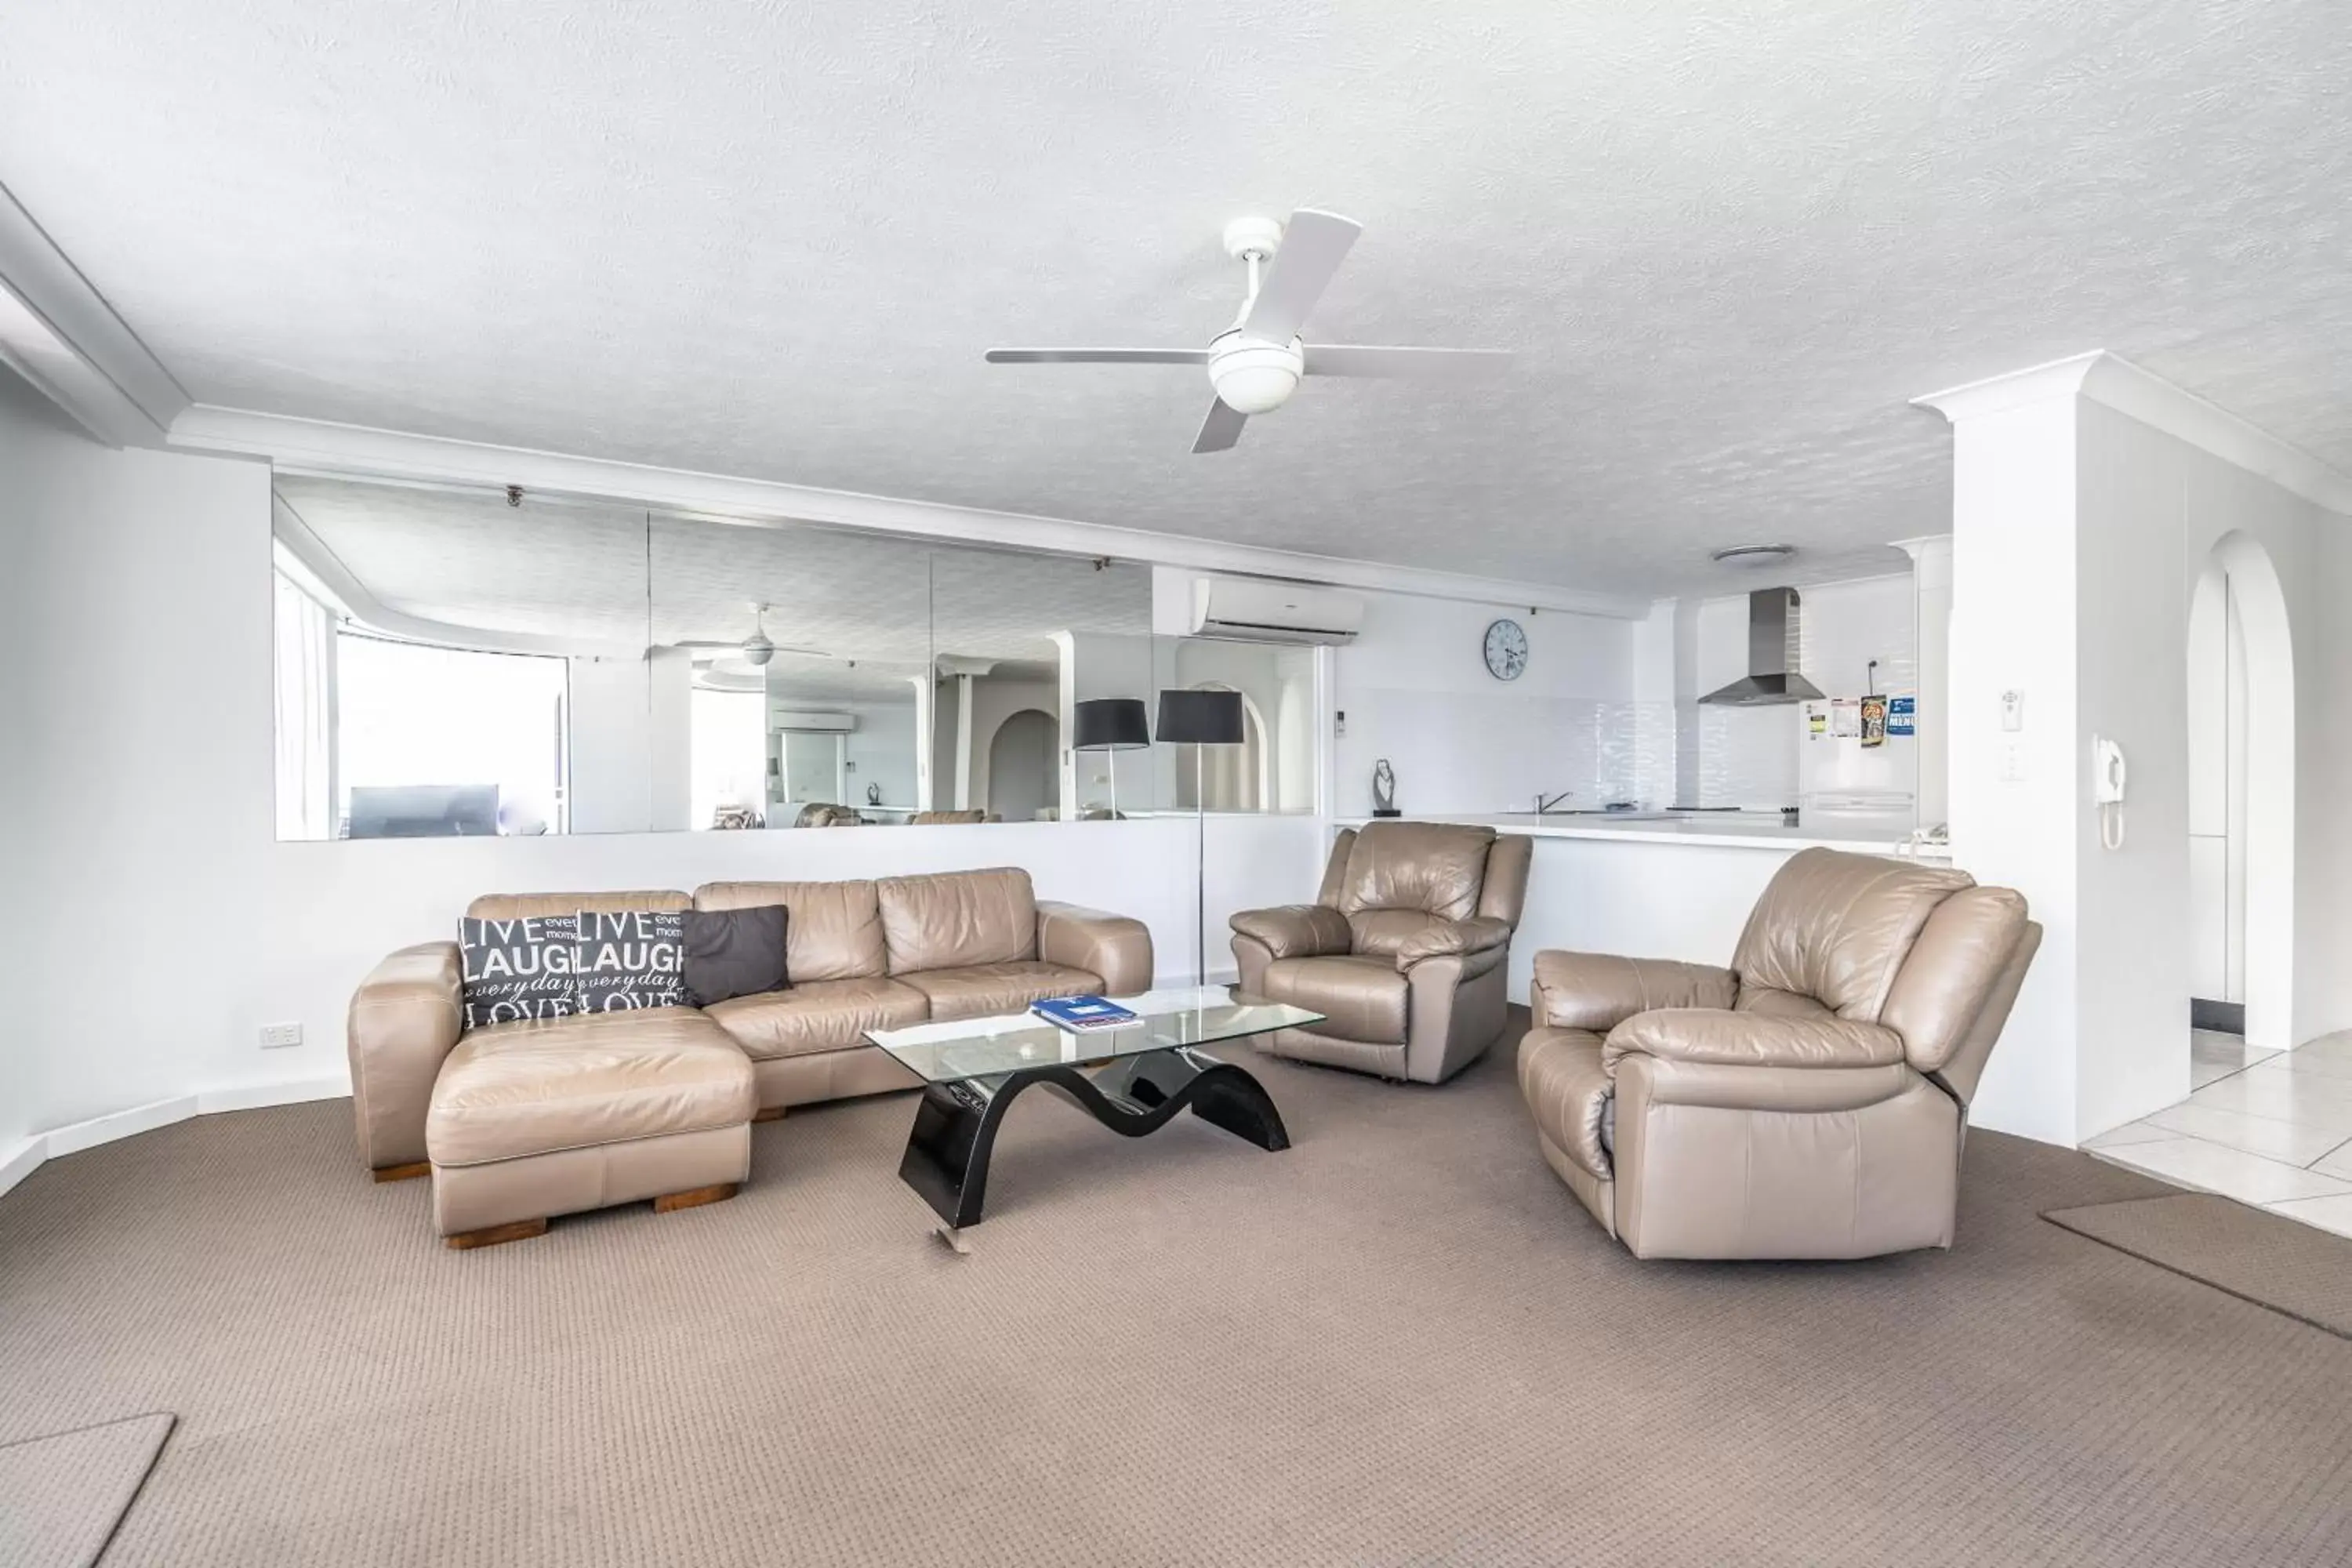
{"x": 1110, "y": 724}
{"x": 1200, "y": 718}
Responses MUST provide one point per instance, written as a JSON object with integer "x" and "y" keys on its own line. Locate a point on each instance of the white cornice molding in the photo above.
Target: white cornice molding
{"x": 359, "y": 603}
{"x": 61, "y": 335}
{"x": 349, "y": 451}
{"x": 2115, "y": 382}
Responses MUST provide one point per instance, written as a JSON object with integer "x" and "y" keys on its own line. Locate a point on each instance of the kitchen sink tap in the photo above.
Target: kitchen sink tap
{"x": 1543, "y": 806}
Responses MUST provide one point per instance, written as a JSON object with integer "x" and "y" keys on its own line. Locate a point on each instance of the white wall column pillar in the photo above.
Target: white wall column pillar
{"x": 2087, "y": 495}
{"x": 964, "y": 744}
{"x": 926, "y": 730}
{"x": 1931, "y": 631}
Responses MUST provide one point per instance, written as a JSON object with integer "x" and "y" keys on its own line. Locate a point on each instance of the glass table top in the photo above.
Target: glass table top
{"x": 1179, "y": 1016}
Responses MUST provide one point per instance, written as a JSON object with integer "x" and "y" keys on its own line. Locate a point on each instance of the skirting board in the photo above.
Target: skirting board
{"x": 74, "y": 1137}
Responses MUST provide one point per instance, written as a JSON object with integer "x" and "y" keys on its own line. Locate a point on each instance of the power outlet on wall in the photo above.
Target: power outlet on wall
{"x": 276, "y": 1036}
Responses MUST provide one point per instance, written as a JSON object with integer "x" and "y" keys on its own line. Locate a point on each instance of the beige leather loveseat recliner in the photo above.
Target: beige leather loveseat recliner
{"x": 517, "y": 1121}
{"x": 1808, "y": 1101}
{"x": 1404, "y": 951}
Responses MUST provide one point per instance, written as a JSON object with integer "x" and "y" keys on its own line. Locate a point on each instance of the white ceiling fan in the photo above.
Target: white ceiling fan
{"x": 755, "y": 649}
{"x": 1255, "y": 364}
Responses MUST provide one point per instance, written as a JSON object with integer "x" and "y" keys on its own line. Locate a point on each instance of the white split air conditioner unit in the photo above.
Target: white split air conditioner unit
{"x": 1258, "y": 610}
{"x": 813, "y": 723}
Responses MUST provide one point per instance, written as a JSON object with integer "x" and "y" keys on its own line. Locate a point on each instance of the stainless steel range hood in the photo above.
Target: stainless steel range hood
{"x": 1773, "y": 619}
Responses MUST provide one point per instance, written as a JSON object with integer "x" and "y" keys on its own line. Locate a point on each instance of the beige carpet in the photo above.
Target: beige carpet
{"x": 2297, "y": 1269}
{"x": 1401, "y": 1342}
{"x": 62, "y": 1494}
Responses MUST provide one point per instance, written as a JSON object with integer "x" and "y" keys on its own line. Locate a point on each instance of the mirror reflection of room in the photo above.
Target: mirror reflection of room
{"x": 453, "y": 662}
{"x": 805, "y": 648}
{"x": 469, "y": 661}
{"x": 1020, "y": 639}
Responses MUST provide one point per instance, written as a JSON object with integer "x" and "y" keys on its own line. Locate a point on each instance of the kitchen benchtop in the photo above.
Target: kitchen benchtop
{"x": 1863, "y": 834}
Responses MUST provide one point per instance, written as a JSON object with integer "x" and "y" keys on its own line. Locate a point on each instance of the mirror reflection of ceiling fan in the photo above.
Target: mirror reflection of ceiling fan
{"x": 1255, "y": 364}
{"x": 755, "y": 650}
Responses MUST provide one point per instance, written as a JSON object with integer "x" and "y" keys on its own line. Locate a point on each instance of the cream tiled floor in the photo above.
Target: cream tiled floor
{"x": 2269, "y": 1127}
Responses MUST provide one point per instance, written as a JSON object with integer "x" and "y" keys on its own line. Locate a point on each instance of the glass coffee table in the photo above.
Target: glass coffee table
{"x": 1133, "y": 1081}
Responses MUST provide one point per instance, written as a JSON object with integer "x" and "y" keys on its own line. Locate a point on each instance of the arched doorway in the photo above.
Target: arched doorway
{"x": 1021, "y": 759}
{"x": 2241, "y": 795}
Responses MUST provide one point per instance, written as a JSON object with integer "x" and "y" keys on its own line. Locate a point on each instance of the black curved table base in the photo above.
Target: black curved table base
{"x": 955, "y": 1125}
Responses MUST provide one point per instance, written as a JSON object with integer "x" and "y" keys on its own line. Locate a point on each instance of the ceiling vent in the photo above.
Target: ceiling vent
{"x": 1773, "y": 627}
{"x": 1258, "y": 610}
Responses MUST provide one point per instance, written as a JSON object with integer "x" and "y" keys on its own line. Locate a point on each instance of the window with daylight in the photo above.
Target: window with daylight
{"x": 439, "y": 740}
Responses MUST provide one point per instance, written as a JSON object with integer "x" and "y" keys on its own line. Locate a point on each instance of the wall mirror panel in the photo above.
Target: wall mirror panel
{"x": 456, "y": 661}
{"x": 803, "y": 651}
{"x": 1020, "y": 640}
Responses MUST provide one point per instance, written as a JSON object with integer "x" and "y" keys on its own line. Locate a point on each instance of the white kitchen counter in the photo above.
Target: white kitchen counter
{"x": 1862, "y": 835}
{"x": 1657, "y": 887}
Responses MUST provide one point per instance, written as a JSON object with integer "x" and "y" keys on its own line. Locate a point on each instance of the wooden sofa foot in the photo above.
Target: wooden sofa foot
{"x": 769, "y": 1113}
{"x": 491, "y": 1236}
{"x": 403, "y": 1172}
{"x": 694, "y": 1197}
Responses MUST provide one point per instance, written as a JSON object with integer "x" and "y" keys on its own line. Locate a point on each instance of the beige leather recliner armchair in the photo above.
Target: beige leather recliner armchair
{"x": 1403, "y": 949}
{"x": 1809, "y": 1101}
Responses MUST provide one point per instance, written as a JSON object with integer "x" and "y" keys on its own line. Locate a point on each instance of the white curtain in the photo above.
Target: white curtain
{"x": 306, "y": 714}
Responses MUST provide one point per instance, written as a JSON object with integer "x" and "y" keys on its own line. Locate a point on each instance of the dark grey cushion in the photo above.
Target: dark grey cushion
{"x": 634, "y": 959}
{"x": 734, "y": 952}
{"x": 518, "y": 969}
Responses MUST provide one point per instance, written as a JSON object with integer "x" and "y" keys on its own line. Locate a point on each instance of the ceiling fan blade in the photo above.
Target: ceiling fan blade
{"x": 735, "y": 645}
{"x": 1221, "y": 429}
{"x": 1313, "y": 245}
{"x": 1097, "y": 356}
{"x": 1412, "y": 365}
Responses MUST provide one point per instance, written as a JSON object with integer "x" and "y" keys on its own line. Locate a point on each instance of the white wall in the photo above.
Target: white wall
{"x": 611, "y": 745}
{"x": 2217, "y": 789}
{"x": 140, "y": 822}
{"x": 1415, "y": 690}
{"x": 881, "y": 751}
{"x": 2079, "y": 533}
{"x": 140, "y": 812}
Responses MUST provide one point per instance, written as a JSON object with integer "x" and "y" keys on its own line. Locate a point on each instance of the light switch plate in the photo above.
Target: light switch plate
{"x": 2012, "y": 710}
{"x": 277, "y": 1037}
{"x": 2012, "y": 762}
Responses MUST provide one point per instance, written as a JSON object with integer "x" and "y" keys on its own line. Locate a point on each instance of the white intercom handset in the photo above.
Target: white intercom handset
{"x": 2107, "y": 774}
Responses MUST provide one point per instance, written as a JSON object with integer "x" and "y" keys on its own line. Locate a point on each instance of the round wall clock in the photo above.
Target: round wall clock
{"x": 1506, "y": 650}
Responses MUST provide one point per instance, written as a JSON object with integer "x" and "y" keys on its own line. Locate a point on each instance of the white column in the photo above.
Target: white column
{"x": 964, "y": 744}
{"x": 2013, "y": 791}
{"x": 1931, "y": 632}
{"x": 926, "y": 724}
{"x": 1066, "y": 700}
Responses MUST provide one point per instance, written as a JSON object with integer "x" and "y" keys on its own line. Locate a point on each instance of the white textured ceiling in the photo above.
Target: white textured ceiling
{"x": 880, "y": 609}
{"x": 1728, "y": 238}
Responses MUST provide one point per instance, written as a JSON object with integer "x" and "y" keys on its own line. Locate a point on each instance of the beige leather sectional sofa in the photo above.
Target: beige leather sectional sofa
{"x": 1808, "y": 1101}
{"x": 518, "y": 1121}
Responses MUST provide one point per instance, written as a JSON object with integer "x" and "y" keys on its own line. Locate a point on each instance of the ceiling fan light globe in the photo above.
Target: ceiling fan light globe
{"x": 758, "y": 650}
{"x": 1252, "y": 375}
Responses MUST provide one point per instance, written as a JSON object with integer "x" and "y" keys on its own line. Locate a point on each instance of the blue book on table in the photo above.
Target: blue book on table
{"x": 1082, "y": 1013}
